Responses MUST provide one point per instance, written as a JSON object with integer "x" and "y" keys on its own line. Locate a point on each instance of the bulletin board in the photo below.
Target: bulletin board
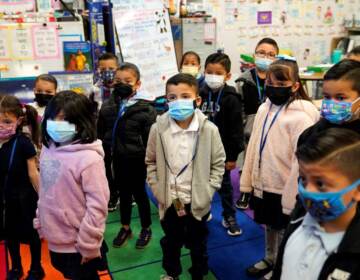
{"x": 31, "y": 49}
{"x": 145, "y": 37}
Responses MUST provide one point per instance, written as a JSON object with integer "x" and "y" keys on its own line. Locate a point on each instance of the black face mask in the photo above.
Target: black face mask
{"x": 278, "y": 95}
{"x": 122, "y": 91}
{"x": 42, "y": 99}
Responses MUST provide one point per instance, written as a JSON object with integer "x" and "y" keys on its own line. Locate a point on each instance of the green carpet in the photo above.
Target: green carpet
{"x": 128, "y": 262}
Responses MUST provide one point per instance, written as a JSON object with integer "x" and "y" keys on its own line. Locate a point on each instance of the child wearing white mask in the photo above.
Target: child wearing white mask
{"x": 191, "y": 64}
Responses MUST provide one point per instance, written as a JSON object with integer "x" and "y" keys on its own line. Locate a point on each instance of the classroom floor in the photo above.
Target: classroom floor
{"x": 228, "y": 256}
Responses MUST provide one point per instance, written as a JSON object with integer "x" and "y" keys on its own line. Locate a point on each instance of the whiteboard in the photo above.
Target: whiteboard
{"x": 144, "y": 33}
{"x": 31, "y": 49}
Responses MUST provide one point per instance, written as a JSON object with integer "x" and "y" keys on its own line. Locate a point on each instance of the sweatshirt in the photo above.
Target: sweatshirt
{"x": 73, "y": 198}
{"x": 278, "y": 172}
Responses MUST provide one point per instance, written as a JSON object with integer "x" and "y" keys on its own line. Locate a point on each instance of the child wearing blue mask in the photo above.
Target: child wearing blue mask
{"x": 324, "y": 242}
{"x": 251, "y": 86}
{"x": 74, "y": 192}
{"x": 185, "y": 164}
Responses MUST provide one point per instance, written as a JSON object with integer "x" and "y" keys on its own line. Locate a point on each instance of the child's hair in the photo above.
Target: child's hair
{"x": 354, "y": 51}
{"x": 337, "y": 147}
{"x": 340, "y": 69}
{"x": 353, "y": 76}
{"x": 190, "y": 53}
{"x": 77, "y": 109}
{"x": 268, "y": 41}
{"x": 109, "y": 56}
{"x": 220, "y": 58}
{"x": 132, "y": 67}
{"x": 11, "y": 105}
{"x": 287, "y": 70}
{"x": 182, "y": 78}
{"x": 48, "y": 78}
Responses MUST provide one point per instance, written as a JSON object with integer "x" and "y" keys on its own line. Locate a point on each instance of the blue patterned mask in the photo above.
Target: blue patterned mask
{"x": 337, "y": 112}
{"x": 325, "y": 206}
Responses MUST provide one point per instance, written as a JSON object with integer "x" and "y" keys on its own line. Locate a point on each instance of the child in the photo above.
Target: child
{"x": 354, "y": 54}
{"x": 18, "y": 185}
{"x": 223, "y": 106}
{"x": 270, "y": 168}
{"x": 74, "y": 193}
{"x": 251, "y": 87}
{"x": 323, "y": 244}
{"x": 191, "y": 64}
{"x": 185, "y": 163}
{"x": 129, "y": 137}
{"x": 44, "y": 89}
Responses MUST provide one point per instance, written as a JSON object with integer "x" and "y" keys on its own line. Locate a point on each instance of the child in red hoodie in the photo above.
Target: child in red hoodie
{"x": 74, "y": 193}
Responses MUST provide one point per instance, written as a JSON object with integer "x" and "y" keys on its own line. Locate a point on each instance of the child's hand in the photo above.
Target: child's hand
{"x": 230, "y": 165}
{"x": 85, "y": 260}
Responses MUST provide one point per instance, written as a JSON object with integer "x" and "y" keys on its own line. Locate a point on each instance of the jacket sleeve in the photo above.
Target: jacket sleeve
{"x": 92, "y": 227}
{"x": 149, "y": 121}
{"x": 217, "y": 160}
{"x": 101, "y": 125}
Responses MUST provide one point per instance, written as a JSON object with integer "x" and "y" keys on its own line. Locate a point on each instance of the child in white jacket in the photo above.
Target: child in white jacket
{"x": 270, "y": 168}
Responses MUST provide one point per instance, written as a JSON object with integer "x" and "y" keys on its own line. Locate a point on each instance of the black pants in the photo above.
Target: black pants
{"x": 226, "y": 194}
{"x": 130, "y": 175}
{"x": 188, "y": 231}
{"x": 35, "y": 250}
{"x": 109, "y": 173}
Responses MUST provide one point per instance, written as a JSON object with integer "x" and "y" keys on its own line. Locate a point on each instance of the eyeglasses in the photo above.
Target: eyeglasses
{"x": 263, "y": 54}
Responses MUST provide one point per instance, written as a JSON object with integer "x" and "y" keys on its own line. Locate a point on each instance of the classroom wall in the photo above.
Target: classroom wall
{"x": 305, "y": 27}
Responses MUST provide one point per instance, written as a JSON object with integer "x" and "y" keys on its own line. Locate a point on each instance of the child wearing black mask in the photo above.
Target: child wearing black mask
{"x": 270, "y": 168}
{"x": 44, "y": 89}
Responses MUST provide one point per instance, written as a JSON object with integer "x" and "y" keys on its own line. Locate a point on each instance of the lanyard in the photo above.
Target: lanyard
{"x": 122, "y": 109}
{"x": 261, "y": 97}
{"x": 217, "y": 106}
{"x": 263, "y": 135}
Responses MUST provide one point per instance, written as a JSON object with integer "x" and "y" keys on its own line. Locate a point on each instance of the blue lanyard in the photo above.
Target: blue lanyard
{"x": 263, "y": 135}
{"x": 217, "y": 101}
{"x": 122, "y": 109}
{"x": 261, "y": 97}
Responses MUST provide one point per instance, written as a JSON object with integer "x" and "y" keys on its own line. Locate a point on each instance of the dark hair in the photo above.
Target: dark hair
{"x": 355, "y": 51}
{"x": 77, "y": 109}
{"x": 11, "y": 105}
{"x": 48, "y": 78}
{"x": 334, "y": 146}
{"x": 130, "y": 66}
{"x": 353, "y": 76}
{"x": 190, "y": 53}
{"x": 220, "y": 58}
{"x": 268, "y": 41}
{"x": 340, "y": 69}
{"x": 182, "y": 78}
{"x": 285, "y": 70}
{"x": 109, "y": 56}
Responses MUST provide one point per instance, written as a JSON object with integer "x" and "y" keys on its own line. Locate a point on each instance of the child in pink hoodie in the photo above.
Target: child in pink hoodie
{"x": 74, "y": 193}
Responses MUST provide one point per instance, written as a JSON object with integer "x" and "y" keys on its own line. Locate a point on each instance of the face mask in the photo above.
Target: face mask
{"x": 326, "y": 206}
{"x": 42, "y": 99}
{"x": 7, "y": 130}
{"x": 122, "y": 91}
{"x": 107, "y": 76}
{"x": 60, "y": 131}
{"x": 191, "y": 70}
{"x": 214, "y": 81}
{"x": 262, "y": 63}
{"x": 278, "y": 95}
{"x": 181, "y": 109}
{"x": 337, "y": 112}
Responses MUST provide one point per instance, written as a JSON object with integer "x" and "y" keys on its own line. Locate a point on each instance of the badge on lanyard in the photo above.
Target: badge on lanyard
{"x": 179, "y": 207}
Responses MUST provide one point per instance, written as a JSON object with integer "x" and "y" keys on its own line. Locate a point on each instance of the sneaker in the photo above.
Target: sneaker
{"x": 268, "y": 276}
{"x": 15, "y": 274}
{"x": 260, "y": 269}
{"x": 37, "y": 274}
{"x": 113, "y": 204}
{"x": 243, "y": 202}
{"x": 133, "y": 202}
{"x": 232, "y": 226}
{"x": 122, "y": 237}
{"x": 167, "y": 277}
{"x": 144, "y": 238}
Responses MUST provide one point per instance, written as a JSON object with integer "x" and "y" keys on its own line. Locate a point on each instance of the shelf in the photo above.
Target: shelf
{"x": 353, "y": 29}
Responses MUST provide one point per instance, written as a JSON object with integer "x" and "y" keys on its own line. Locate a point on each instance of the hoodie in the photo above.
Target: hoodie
{"x": 73, "y": 198}
{"x": 279, "y": 168}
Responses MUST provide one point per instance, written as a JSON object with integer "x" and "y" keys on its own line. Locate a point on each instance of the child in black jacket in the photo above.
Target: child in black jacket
{"x": 129, "y": 139}
{"x": 222, "y": 105}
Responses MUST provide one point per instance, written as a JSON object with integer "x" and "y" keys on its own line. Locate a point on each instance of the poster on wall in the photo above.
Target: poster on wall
{"x": 145, "y": 37}
{"x": 77, "y": 56}
{"x": 15, "y": 6}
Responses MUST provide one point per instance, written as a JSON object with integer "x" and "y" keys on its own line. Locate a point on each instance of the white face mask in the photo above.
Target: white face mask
{"x": 214, "y": 81}
{"x": 191, "y": 70}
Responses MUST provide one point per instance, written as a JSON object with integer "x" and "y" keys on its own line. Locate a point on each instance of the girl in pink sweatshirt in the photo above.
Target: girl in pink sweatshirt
{"x": 74, "y": 193}
{"x": 270, "y": 169}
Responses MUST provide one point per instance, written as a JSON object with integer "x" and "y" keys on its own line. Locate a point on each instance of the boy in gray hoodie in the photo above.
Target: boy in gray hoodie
{"x": 185, "y": 164}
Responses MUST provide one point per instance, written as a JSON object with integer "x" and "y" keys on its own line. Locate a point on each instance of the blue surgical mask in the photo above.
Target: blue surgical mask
{"x": 60, "y": 131}
{"x": 326, "y": 206}
{"x": 337, "y": 112}
{"x": 181, "y": 109}
{"x": 262, "y": 63}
